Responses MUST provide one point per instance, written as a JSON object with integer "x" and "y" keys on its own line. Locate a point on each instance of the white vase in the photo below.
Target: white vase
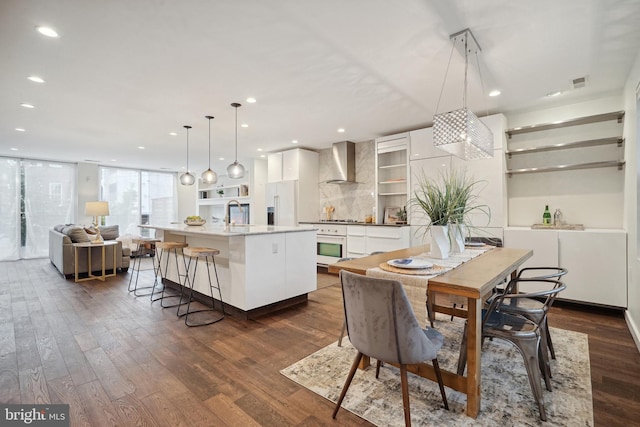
{"x": 458, "y": 232}
{"x": 440, "y": 244}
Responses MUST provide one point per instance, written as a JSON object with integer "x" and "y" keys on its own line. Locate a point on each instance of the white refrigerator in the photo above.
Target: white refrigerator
{"x": 282, "y": 200}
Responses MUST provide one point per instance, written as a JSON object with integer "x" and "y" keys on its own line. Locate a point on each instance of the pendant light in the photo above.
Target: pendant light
{"x": 187, "y": 178}
{"x": 209, "y": 176}
{"x": 460, "y": 132}
{"x": 236, "y": 170}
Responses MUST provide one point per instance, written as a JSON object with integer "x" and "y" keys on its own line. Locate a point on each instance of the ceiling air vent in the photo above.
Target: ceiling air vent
{"x": 579, "y": 82}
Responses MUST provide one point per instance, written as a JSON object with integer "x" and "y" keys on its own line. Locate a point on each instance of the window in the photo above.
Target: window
{"x": 138, "y": 197}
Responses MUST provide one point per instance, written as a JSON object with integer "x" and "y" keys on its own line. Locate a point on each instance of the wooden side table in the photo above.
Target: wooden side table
{"x": 88, "y": 246}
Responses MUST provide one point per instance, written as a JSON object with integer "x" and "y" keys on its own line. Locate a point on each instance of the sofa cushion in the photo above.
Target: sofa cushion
{"x": 109, "y": 232}
{"x": 76, "y": 233}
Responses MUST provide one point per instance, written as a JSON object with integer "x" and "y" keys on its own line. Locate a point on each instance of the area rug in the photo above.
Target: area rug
{"x": 506, "y": 395}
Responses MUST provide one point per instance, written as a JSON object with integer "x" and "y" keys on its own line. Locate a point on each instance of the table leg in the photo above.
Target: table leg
{"x": 474, "y": 342}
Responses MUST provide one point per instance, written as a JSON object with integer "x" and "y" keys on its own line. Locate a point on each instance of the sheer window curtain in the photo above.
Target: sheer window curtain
{"x": 36, "y": 195}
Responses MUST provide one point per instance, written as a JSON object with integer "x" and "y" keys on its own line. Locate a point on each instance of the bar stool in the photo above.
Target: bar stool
{"x": 197, "y": 254}
{"x": 137, "y": 261}
{"x": 168, "y": 248}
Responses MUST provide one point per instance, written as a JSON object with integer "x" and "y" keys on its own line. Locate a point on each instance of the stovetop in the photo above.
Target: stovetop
{"x": 338, "y": 221}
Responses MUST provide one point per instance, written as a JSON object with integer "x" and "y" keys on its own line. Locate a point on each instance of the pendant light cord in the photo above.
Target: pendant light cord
{"x": 209, "y": 143}
{"x": 445, "y": 78}
{"x": 466, "y": 66}
{"x": 236, "y": 159}
{"x": 187, "y": 150}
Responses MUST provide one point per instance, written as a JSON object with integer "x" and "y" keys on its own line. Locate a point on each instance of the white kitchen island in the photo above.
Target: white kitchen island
{"x": 261, "y": 268}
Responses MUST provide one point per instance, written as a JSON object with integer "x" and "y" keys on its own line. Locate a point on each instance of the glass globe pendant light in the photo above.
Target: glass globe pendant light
{"x": 236, "y": 170}
{"x": 209, "y": 176}
{"x": 187, "y": 178}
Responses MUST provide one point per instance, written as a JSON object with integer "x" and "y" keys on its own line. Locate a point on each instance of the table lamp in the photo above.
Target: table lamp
{"x": 96, "y": 209}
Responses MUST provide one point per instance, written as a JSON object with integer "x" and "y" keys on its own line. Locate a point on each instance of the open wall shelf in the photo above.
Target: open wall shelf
{"x": 616, "y": 115}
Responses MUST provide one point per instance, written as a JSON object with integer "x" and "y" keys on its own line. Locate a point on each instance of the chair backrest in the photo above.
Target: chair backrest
{"x": 542, "y": 272}
{"x": 547, "y": 296}
{"x": 380, "y": 320}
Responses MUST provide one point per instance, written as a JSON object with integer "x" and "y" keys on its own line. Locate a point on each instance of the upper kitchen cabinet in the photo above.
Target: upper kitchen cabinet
{"x": 574, "y": 164}
{"x": 291, "y": 164}
{"x": 391, "y": 174}
{"x": 421, "y": 143}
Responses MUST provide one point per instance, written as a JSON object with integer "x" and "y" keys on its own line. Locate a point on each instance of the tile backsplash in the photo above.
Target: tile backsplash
{"x": 351, "y": 201}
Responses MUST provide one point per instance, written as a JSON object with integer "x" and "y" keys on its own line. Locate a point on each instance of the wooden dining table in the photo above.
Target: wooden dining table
{"x": 474, "y": 280}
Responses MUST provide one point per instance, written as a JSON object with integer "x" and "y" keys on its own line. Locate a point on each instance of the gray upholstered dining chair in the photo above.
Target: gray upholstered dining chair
{"x": 381, "y": 324}
{"x": 502, "y": 320}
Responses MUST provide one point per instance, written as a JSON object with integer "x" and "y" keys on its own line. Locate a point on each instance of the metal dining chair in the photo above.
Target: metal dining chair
{"x": 381, "y": 324}
{"x": 500, "y": 321}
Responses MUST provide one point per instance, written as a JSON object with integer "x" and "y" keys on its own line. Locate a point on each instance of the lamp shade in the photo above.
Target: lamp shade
{"x": 462, "y": 133}
{"x": 96, "y": 208}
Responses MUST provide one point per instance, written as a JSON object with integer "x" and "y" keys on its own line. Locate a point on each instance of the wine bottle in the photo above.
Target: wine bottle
{"x": 546, "y": 216}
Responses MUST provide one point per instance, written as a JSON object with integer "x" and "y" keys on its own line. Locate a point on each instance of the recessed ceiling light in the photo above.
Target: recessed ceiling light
{"x": 262, "y": 155}
{"x": 251, "y": 100}
{"x": 244, "y": 125}
{"x": 114, "y": 160}
{"x": 36, "y": 79}
{"x": 13, "y": 149}
{"x": 552, "y": 94}
{"x": 21, "y": 129}
{"x": 47, "y": 31}
{"x": 173, "y": 133}
{"x": 259, "y": 149}
{"x": 341, "y": 130}
{"x": 25, "y": 105}
{"x": 295, "y": 141}
{"x": 494, "y": 93}
{"x": 140, "y": 147}
{"x": 220, "y": 158}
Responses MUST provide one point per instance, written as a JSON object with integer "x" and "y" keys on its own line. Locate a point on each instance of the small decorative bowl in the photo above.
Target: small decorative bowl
{"x": 200, "y": 222}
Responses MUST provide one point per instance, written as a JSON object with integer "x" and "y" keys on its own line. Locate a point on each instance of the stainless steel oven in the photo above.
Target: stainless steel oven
{"x": 331, "y": 243}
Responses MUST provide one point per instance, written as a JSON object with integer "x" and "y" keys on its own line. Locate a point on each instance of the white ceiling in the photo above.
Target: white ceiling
{"x": 125, "y": 73}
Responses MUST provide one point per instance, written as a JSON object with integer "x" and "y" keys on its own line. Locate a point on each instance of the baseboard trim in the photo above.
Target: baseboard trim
{"x": 633, "y": 328}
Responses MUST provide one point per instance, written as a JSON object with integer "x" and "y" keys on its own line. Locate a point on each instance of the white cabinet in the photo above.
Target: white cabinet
{"x": 274, "y": 167}
{"x": 596, "y": 261}
{"x": 356, "y": 241}
{"x": 363, "y": 240}
{"x": 292, "y": 165}
{"x": 385, "y": 239}
{"x": 421, "y": 142}
{"x": 597, "y": 264}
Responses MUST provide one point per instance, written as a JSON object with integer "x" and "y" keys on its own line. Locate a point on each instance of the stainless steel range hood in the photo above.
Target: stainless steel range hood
{"x": 343, "y": 163}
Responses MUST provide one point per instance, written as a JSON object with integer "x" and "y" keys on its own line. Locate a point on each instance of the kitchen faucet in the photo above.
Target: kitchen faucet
{"x": 227, "y": 218}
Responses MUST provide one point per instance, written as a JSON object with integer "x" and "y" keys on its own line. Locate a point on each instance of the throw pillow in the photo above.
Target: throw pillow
{"x": 90, "y": 230}
{"x": 76, "y": 234}
{"x": 109, "y": 232}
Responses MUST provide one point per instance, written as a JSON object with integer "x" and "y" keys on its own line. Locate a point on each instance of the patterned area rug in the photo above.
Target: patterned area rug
{"x": 507, "y": 399}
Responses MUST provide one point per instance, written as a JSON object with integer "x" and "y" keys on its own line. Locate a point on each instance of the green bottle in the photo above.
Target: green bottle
{"x": 546, "y": 216}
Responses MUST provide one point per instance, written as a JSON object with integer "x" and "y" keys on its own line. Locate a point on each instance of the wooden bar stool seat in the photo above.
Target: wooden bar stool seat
{"x": 165, "y": 249}
{"x": 208, "y": 256}
{"x": 135, "y": 268}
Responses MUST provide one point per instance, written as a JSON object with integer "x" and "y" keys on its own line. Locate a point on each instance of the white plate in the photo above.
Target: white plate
{"x": 409, "y": 263}
{"x": 474, "y": 244}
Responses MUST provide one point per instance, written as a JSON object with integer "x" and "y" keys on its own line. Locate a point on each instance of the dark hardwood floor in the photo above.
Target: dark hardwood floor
{"x": 119, "y": 360}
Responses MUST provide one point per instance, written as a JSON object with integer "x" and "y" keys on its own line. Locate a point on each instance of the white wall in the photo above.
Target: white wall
{"x": 631, "y": 201}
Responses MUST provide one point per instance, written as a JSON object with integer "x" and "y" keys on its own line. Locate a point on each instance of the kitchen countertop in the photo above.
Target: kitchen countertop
{"x": 220, "y": 230}
{"x": 354, "y": 223}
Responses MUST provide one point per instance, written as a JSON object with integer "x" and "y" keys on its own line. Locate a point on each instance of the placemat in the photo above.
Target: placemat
{"x": 436, "y": 269}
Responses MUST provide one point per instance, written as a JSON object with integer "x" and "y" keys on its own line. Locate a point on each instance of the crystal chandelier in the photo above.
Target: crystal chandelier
{"x": 460, "y": 132}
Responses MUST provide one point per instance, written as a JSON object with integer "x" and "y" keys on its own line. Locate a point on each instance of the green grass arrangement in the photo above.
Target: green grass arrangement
{"x": 449, "y": 198}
